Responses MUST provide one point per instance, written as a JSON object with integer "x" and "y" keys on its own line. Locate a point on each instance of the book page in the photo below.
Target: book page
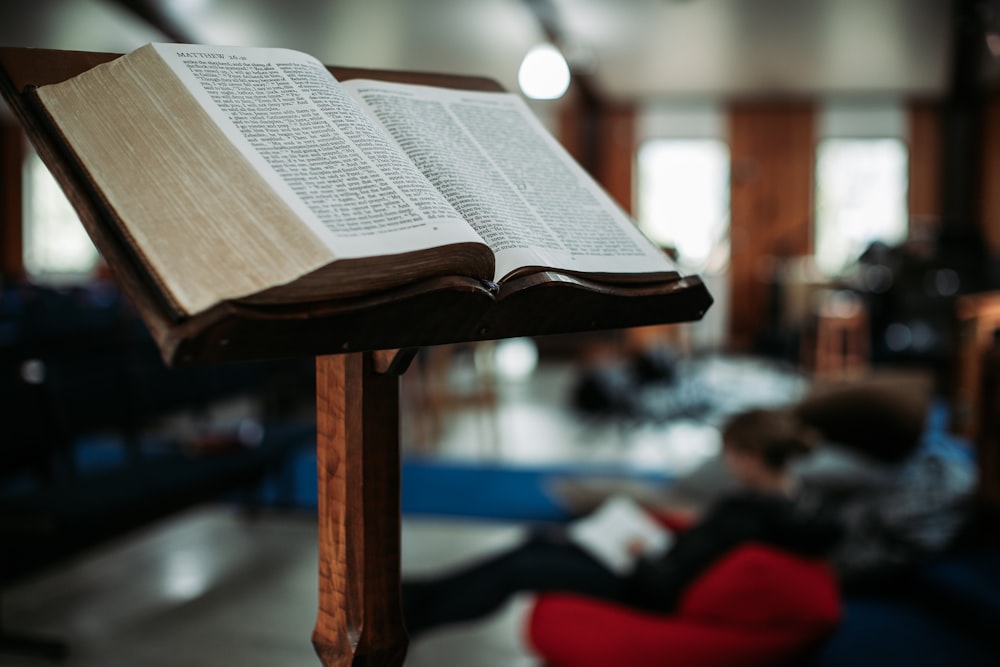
{"x": 518, "y": 188}
{"x": 610, "y": 531}
{"x": 335, "y": 168}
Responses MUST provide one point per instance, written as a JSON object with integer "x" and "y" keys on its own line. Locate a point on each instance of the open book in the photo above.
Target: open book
{"x": 252, "y": 175}
{"x": 617, "y": 532}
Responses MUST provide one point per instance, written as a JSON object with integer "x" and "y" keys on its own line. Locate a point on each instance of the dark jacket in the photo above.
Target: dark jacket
{"x": 657, "y": 584}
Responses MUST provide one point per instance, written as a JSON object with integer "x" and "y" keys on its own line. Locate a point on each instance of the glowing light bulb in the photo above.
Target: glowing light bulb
{"x": 544, "y": 74}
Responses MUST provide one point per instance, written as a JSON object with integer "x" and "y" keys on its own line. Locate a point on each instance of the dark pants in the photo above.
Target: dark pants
{"x": 542, "y": 564}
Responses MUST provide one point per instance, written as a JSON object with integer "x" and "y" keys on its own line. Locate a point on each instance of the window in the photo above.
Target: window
{"x": 684, "y": 198}
{"x": 860, "y": 198}
{"x": 56, "y": 247}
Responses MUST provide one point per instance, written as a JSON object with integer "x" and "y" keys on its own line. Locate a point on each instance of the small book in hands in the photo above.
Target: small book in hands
{"x": 618, "y": 532}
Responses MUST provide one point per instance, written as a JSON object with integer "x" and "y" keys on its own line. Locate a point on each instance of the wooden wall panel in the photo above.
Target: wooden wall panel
{"x": 616, "y": 169}
{"x": 601, "y": 137}
{"x": 990, "y": 185}
{"x": 570, "y": 130}
{"x": 924, "y": 144}
{"x": 12, "y": 151}
{"x": 772, "y": 147}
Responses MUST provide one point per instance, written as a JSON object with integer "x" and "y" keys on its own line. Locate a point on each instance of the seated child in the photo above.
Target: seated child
{"x": 758, "y": 446}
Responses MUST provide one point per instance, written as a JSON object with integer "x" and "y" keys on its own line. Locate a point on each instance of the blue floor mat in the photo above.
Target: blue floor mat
{"x": 493, "y": 490}
{"x": 470, "y": 489}
{"x": 428, "y": 486}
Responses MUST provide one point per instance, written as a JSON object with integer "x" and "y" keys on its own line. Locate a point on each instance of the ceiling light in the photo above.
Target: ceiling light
{"x": 544, "y": 74}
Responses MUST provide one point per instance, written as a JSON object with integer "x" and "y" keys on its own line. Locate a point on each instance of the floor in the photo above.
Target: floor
{"x": 532, "y": 420}
{"x": 215, "y": 587}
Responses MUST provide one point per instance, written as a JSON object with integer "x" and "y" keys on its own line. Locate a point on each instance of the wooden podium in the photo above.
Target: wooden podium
{"x": 361, "y": 346}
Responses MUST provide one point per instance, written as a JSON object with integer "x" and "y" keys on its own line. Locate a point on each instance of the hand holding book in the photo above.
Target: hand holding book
{"x": 619, "y": 532}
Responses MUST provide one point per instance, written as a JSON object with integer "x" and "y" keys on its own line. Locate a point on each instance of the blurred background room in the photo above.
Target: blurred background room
{"x": 829, "y": 168}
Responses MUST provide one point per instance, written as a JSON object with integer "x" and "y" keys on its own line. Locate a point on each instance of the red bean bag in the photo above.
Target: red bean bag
{"x": 756, "y": 606}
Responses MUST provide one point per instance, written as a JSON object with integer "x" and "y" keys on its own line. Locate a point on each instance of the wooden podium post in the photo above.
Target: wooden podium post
{"x": 357, "y": 412}
{"x": 357, "y": 385}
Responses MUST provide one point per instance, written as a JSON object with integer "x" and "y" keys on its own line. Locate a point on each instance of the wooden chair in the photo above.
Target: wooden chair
{"x": 842, "y": 336}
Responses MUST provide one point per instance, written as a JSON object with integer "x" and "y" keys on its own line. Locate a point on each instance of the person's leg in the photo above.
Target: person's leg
{"x": 476, "y": 591}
